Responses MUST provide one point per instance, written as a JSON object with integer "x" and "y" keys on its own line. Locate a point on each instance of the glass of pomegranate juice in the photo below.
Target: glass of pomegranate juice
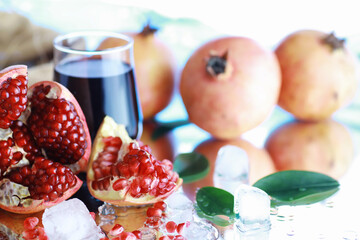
{"x": 101, "y": 78}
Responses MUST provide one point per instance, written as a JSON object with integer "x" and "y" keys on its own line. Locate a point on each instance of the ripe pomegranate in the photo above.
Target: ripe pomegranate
{"x": 154, "y": 69}
{"x": 260, "y": 162}
{"x": 325, "y": 147}
{"x": 319, "y": 74}
{"x": 229, "y": 86}
{"x": 43, "y": 134}
{"x": 123, "y": 172}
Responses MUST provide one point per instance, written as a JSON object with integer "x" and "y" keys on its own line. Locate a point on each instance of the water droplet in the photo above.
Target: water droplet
{"x": 227, "y": 211}
{"x": 205, "y": 203}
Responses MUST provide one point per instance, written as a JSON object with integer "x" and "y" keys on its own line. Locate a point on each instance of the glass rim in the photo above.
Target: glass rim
{"x": 57, "y": 40}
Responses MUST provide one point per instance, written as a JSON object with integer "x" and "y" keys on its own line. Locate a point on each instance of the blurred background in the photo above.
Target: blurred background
{"x": 27, "y": 28}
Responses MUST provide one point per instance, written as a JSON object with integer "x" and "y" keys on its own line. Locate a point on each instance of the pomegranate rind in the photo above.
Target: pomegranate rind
{"x": 119, "y": 198}
{"x": 13, "y": 71}
{"x": 60, "y": 91}
{"x": 33, "y": 206}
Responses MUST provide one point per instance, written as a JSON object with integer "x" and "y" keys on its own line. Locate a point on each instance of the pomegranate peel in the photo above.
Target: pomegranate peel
{"x": 124, "y": 173}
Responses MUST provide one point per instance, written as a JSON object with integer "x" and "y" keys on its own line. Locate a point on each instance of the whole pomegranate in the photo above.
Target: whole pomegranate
{"x": 319, "y": 74}
{"x": 154, "y": 69}
{"x": 324, "y": 146}
{"x": 123, "y": 172}
{"x": 43, "y": 136}
{"x": 229, "y": 86}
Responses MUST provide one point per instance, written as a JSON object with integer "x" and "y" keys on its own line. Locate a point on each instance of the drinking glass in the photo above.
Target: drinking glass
{"x": 102, "y": 80}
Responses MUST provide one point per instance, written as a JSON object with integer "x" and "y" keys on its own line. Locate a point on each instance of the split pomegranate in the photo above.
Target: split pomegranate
{"x": 44, "y": 137}
{"x": 123, "y": 172}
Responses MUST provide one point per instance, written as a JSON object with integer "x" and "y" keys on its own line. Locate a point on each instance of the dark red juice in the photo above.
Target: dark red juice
{"x": 103, "y": 87}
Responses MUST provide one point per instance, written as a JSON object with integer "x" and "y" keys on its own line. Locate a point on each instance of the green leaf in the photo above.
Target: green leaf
{"x": 192, "y": 166}
{"x": 294, "y": 187}
{"x": 215, "y": 201}
{"x": 164, "y": 128}
{"x": 222, "y": 222}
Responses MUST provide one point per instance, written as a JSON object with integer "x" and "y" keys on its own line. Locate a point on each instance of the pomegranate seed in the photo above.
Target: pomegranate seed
{"x": 153, "y": 212}
{"x": 134, "y": 167}
{"x": 164, "y": 238}
{"x": 116, "y": 230}
{"x": 135, "y": 189}
{"x": 171, "y": 226}
{"x": 160, "y": 205}
{"x": 167, "y": 164}
{"x": 137, "y": 234}
{"x": 127, "y": 236}
{"x": 179, "y": 237}
{"x": 30, "y": 234}
{"x": 120, "y": 184}
{"x": 180, "y": 228}
{"x": 30, "y": 223}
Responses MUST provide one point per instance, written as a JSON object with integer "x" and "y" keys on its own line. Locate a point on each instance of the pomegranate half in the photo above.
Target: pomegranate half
{"x": 43, "y": 136}
{"x": 123, "y": 172}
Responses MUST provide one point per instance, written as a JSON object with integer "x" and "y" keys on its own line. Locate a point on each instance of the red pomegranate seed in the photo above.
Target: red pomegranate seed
{"x": 135, "y": 189}
{"x": 180, "y": 227}
{"x": 153, "y": 212}
{"x": 127, "y": 236}
{"x": 137, "y": 234}
{"x": 179, "y": 237}
{"x": 160, "y": 205}
{"x": 145, "y": 183}
{"x": 153, "y": 222}
{"x": 167, "y": 164}
{"x": 171, "y": 226}
{"x": 120, "y": 184}
{"x": 30, "y": 223}
{"x": 164, "y": 238}
{"x": 116, "y": 230}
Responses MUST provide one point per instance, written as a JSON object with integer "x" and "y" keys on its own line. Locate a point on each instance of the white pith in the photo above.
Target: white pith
{"x": 13, "y": 194}
{"x": 9, "y": 233}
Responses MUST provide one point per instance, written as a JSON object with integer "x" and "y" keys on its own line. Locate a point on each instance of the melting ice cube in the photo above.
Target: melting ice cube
{"x": 231, "y": 168}
{"x": 70, "y": 220}
{"x": 252, "y": 209}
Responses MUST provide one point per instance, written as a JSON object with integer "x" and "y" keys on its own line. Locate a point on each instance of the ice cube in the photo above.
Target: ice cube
{"x": 70, "y": 220}
{"x": 231, "y": 168}
{"x": 252, "y": 209}
{"x": 179, "y": 207}
{"x": 200, "y": 230}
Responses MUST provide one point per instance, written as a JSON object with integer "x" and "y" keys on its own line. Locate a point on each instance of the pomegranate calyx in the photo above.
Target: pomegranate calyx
{"x": 218, "y": 66}
{"x": 334, "y": 42}
{"x": 148, "y": 30}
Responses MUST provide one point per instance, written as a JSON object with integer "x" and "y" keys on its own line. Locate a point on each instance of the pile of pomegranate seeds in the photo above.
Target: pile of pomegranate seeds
{"x": 32, "y": 231}
{"x": 13, "y": 100}
{"x": 56, "y": 127}
{"x": 155, "y": 218}
{"x": 46, "y": 179}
